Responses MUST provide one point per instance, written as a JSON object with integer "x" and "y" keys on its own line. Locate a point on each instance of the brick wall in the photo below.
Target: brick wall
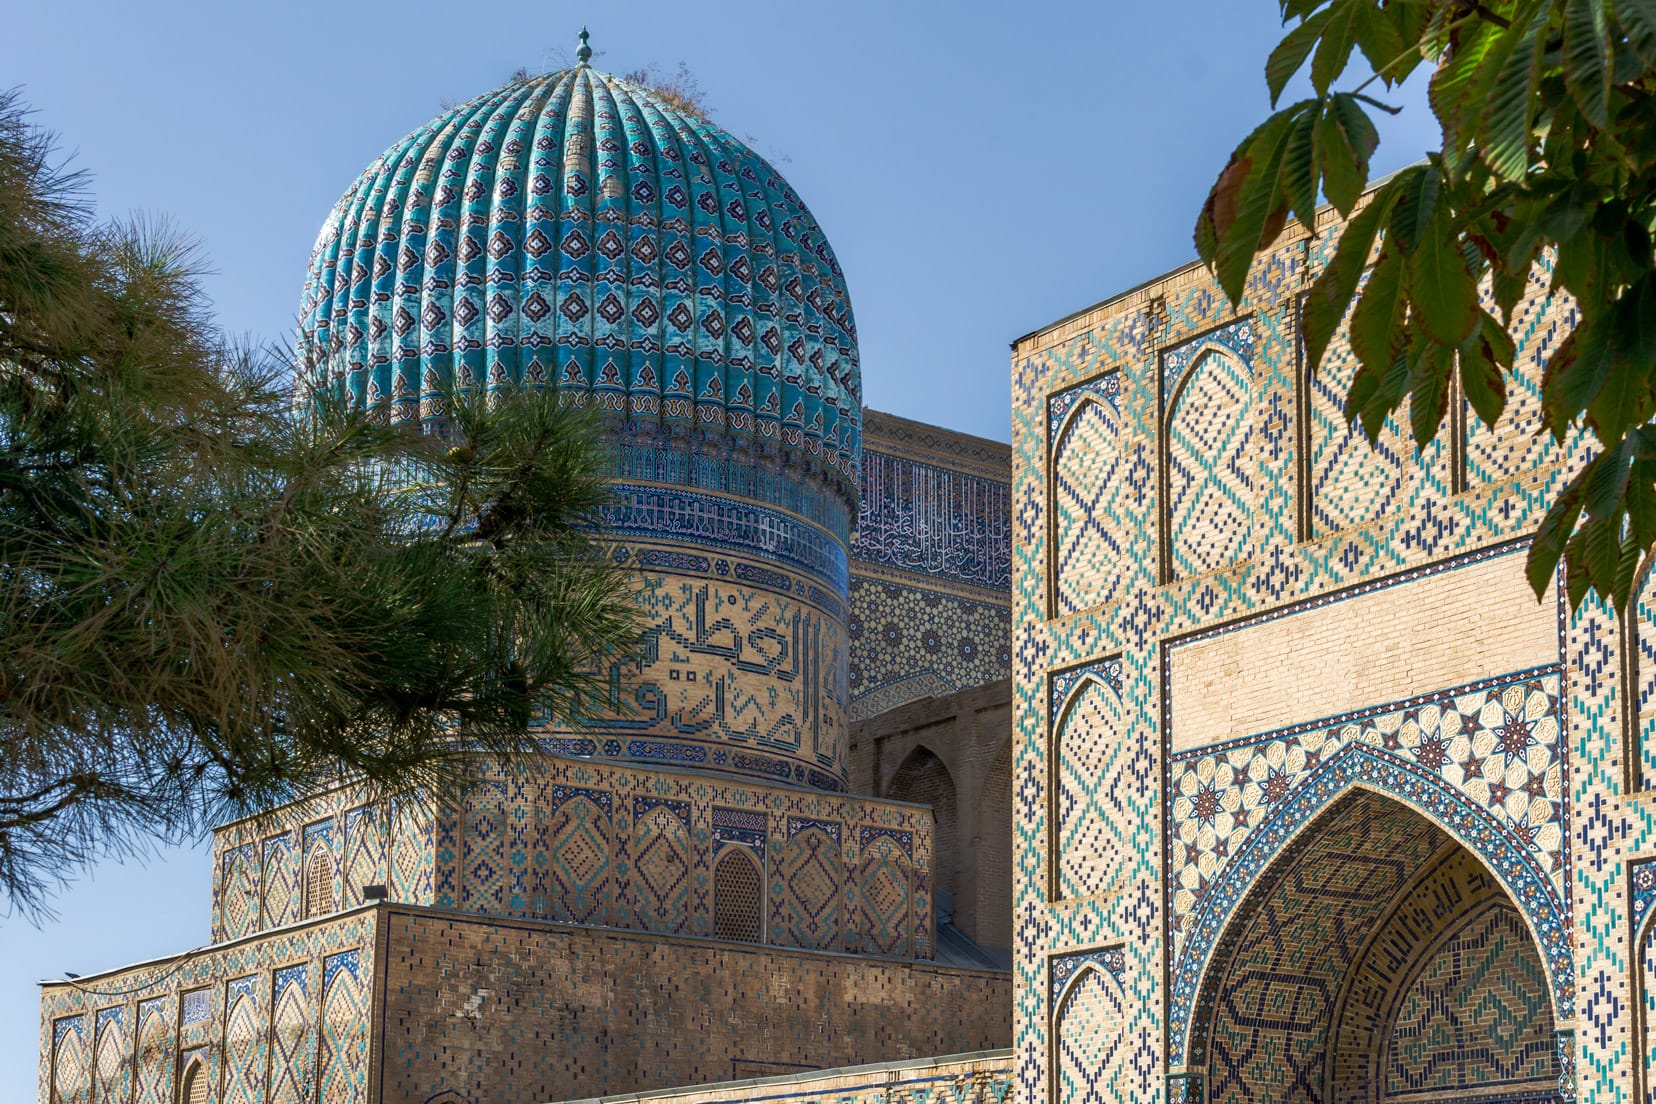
{"x": 521, "y": 1012}
{"x": 968, "y": 734}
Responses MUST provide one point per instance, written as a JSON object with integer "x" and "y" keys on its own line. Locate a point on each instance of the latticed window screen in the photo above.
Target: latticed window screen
{"x": 194, "y": 1088}
{"x": 736, "y": 898}
{"x": 318, "y": 882}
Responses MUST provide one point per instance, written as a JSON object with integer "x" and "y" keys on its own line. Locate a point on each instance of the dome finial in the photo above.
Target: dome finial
{"x": 584, "y": 54}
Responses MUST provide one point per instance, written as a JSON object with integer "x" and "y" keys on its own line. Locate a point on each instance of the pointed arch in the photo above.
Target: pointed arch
{"x": 808, "y": 891}
{"x": 994, "y": 851}
{"x": 110, "y": 1064}
{"x": 194, "y": 1086}
{"x": 71, "y": 1070}
{"x": 319, "y": 895}
{"x": 239, "y": 898}
{"x": 738, "y": 896}
{"x": 1209, "y": 471}
{"x": 924, "y": 779}
{"x": 885, "y": 893}
{"x": 1085, "y": 529}
{"x": 154, "y": 1065}
{"x": 1087, "y": 852}
{"x": 342, "y": 1064}
{"x": 292, "y": 1038}
{"x": 1092, "y": 1047}
{"x": 580, "y": 843}
{"x": 661, "y": 866}
{"x": 1347, "y": 480}
{"x": 1408, "y": 964}
{"x": 1356, "y": 770}
{"x": 244, "y": 1058}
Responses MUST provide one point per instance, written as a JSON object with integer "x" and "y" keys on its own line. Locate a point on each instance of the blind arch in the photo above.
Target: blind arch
{"x": 738, "y": 898}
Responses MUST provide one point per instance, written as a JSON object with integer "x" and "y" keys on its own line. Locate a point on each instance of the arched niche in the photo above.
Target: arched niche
{"x": 924, "y": 779}
{"x": 1375, "y": 960}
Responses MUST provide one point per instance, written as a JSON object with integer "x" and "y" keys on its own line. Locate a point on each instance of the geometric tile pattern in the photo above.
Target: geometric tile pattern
{"x": 71, "y": 1068}
{"x": 1092, "y": 781}
{"x": 241, "y": 893}
{"x": 1448, "y": 994}
{"x": 580, "y": 845}
{"x": 1495, "y": 743}
{"x": 883, "y": 874}
{"x": 910, "y": 642}
{"x": 1211, "y": 463}
{"x": 661, "y": 865}
{"x": 931, "y": 566}
{"x": 1516, "y": 447}
{"x": 154, "y": 1064}
{"x": 1087, "y": 476}
{"x": 364, "y": 853}
{"x": 1476, "y": 1020}
{"x": 1093, "y": 1048}
{"x": 1351, "y": 481}
{"x": 282, "y": 882}
{"x": 806, "y": 894}
{"x": 213, "y": 1027}
{"x": 1641, "y": 705}
{"x": 342, "y": 1065}
{"x": 1325, "y": 517}
{"x": 112, "y": 1067}
{"x": 244, "y": 1050}
{"x": 1268, "y": 1003}
{"x": 292, "y": 1039}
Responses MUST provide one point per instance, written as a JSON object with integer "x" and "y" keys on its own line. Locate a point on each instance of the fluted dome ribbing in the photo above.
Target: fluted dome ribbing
{"x": 582, "y": 231}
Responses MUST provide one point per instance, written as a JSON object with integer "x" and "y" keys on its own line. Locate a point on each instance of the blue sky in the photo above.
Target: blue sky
{"x": 981, "y": 169}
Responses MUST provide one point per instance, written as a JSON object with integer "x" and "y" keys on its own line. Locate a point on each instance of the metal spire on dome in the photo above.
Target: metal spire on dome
{"x": 584, "y": 54}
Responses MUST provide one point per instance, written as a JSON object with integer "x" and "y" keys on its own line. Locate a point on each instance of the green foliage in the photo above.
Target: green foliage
{"x": 210, "y": 603}
{"x": 1548, "y": 113}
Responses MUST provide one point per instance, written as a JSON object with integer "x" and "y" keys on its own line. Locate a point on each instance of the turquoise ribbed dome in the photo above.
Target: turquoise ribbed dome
{"x": 582, "y": 231}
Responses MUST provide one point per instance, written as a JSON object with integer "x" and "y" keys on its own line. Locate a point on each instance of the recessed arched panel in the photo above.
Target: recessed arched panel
{"x": 812, "y": 886}
{"x": 282, "y": 882}
{"x": 661, "y": 865}
{"x": 244, "y": 1051}
{"x": 1376, "y": 961}
{"x": 110, "y": 1067}
{"x": 924, "y": 779}
{"x": 292, "y": 1039}
{"x": 1639, "y": 635}
{"x": 71, "y": 1067}
{"x": 1517, "y": 446}
{"x": 1088, "y": 532}
{"x": 364, "y": 853}
{"x": 319, "y": 880}
{"x": 1350, "y": 481}
{"x": 1092, "y": 826}
{"x": 195, "y": 1087}
{"x": 885, "y": 891}
{"x": 580, "y": 845}
{"x": 738, "y": 897}
{"x": 239, "y": 903}
{"x": 1092, "y": 1046}
{"x": 155, "y": 1065}
{"x": 1211, "y": 472}
{"x": 342, "y": 1063}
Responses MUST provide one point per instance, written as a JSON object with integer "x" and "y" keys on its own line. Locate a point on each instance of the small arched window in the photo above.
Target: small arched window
{"x": 193, "y": 1088}
{"x": 318, "y": 882}
{"x": 737, "y": 898}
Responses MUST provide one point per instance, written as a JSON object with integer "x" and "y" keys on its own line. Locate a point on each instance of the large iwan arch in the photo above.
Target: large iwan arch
{"x": 1375, "y": 960}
